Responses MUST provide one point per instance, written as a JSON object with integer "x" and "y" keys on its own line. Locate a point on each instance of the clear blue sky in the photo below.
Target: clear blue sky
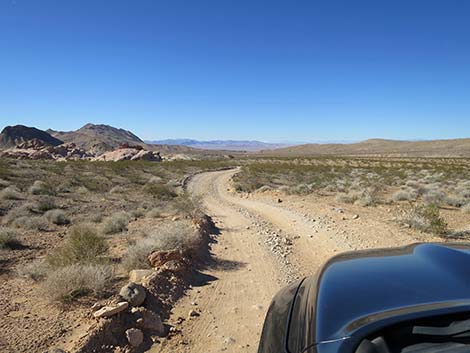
{"x": 243, "y": 69}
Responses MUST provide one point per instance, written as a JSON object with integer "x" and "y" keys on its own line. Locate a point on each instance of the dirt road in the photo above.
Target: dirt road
{"x": 263, "y": 245}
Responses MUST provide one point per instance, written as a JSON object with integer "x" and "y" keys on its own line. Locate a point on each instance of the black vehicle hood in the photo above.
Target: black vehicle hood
{"x": 360, "y": 290}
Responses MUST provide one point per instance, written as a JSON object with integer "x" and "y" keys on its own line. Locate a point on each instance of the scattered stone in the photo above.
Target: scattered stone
{"x": 138, "y": 275}
{"x": 193, "y": 313}
{"x": 355, "y": 216}
{"x": 108, "y": 311}
{"x": 229, "y": 340}
{"x": 135, "y": 337}
{"x": 159, "y": 258}
{"x": 279, "y": 201}
{"x": 134, "y": 293}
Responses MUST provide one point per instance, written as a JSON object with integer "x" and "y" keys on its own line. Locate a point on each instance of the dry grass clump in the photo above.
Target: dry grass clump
{"x": 70, "y": 282}
{"x": 10, "y": 193}
{"x": 57, "y": 217}
{"x": 78, "y": 267}
{"x": 9, "y": 239}
{"x": 178, "y": 235}
{"x": 116, "y": 223}
{"x": 426, "y": 218}
{"x": 190, "y": 206}
{"x": 39, "y": 187}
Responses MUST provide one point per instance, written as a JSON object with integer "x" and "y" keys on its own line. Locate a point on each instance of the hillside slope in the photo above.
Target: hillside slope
{"x": 100, "y": 137}
{"x": 17, "y": 134}
{"x": 381, "y": 147}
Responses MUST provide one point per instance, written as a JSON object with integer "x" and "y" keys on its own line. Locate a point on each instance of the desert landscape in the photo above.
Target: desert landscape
{"x": 110, "y": 244}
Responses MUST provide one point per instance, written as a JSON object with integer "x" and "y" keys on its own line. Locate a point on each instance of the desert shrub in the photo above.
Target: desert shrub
{"x": 454, "y": 200}
{"x": 57, "y": 217}
{"x": 426, "y": 218}
{"x": 8, "y": 239}
{"x": 70, "y": 282}
{"x": 41, "y": 188}
{"x": 31, "y": 223}
{"x": 365, "y": 200}
{"x": 116, "y": 223}
{"x": 466, "y": 208}
{"x": 96, "y": 217}
{"x": 20, "y": 211}
{"x": 83, "y": 245}
{"x": 176, "y": 236}
{"x": 154, "y": 213}
{"x": 189, "y": 206}
{"x": 10, "y": 193}
{"x": 117, "y": 190}
{"x": 159, "y": 191}
{"x": 36, "y": 270}
{"x": 4, "y": 183}
{"x": 44, "y": 203}
{"x": 404, "y": 195}
{"x": 434, "y": 197}
{"x": 137, "y": 213}
{"x": 82, "y": 190}
{"x": 344, "y": 198}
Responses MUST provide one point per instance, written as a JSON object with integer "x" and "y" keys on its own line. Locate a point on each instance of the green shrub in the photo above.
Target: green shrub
{"x": 83, "y": 245}
{"x": 426, "y": 218}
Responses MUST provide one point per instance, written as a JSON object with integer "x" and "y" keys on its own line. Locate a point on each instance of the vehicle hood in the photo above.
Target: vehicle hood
{"x": 359, "y": 291}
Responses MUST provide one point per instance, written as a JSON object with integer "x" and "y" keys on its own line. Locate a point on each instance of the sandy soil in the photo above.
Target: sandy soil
{"x": 265, "y": 243}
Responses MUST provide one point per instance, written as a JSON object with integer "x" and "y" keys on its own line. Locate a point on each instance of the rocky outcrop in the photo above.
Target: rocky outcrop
{"x": 130, "y": 154}
{"x": 35, "y": 150}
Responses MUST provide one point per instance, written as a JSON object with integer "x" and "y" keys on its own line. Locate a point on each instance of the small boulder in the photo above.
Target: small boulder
{"x": 134, "y": 293}
{"x": 355, "y": 216}
{"x": 134, "y": 336}
{"x": 108, "y": 311}
{"x": 148, "y": 320}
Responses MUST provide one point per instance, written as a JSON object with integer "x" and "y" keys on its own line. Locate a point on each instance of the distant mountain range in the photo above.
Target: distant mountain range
{"x": 98, "y": 139}
{"x": 227, "y": 145}
{"x": 380, "y": 147}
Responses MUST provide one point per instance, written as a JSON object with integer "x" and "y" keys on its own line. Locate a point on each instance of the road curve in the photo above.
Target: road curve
{"x": 261, "y": 247}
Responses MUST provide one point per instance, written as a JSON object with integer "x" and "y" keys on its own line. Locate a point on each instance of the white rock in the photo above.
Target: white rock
{"x": 108, "y": 311}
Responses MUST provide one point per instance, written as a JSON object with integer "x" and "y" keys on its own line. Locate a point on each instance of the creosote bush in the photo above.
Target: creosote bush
{"x": 426, "y": 218}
